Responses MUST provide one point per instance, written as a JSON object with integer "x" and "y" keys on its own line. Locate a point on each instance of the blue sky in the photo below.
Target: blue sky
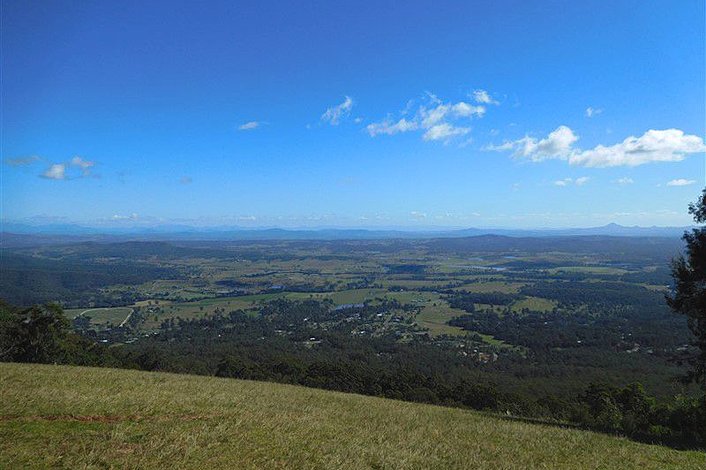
{"x": 379, "y": 114}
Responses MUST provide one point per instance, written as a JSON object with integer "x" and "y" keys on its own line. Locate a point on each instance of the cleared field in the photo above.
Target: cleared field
{"x": 102, "y": 315}
{"x": 493, "y": 286}
{"x": 589, "y": 270}
{"x": 211, "y": 306}
{"x": 435, "y": 315}
{"x": 536, "y": 304}
{"x": 75, "y": 417}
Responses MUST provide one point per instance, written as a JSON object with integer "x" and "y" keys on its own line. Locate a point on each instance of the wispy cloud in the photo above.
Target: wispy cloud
{"x": 680, "y": 182}
{"x": 444, "y": 131}
{"x": 590, "y": 112}
{"x": 391, "y": 128}
{"x": 334, "y": 114}
{"x": 482, "y": 96}
{"x": 669, "y": 145}
{"x": 22, "y": 161}
{"x": 84, "y": 165}
{"x": 624, "y": 181}
{"x": 122, "y": 218}
{"x": 249, "y": 126}
{"x": 570, "y": 181}
{"x": 436, "y": 119}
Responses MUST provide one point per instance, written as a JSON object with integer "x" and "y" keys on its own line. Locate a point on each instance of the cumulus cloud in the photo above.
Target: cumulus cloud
{"x": 334, "y": 114}
{"x": 582, "y": 180}
{"x": 22, "y": 161}
{"x": 669, "y": 145}
{"x": 680, "y": 182}
{"x": 436, "y": 119}
{"x": 56, "y": 171}
{"x": 249, "y": 126}
{"x": 590, "y": 112}
{"x": 558, "y": 144}
{"x": 482, "y": 96}
{"x": 62, "y": 171}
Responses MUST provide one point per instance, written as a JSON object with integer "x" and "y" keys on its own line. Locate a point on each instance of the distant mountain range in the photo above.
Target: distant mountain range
{"x": 14, "y": 233}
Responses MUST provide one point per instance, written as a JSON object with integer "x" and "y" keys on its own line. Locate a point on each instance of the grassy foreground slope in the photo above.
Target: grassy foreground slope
{"x": 77, "y": 417}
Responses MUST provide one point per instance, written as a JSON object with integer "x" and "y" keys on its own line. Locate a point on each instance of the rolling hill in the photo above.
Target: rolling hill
{"x": 75, "y": 417}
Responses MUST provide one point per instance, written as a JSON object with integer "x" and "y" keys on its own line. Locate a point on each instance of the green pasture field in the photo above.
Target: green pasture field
{"x": 77, "y": 417}
{"x": 100, "y": 316}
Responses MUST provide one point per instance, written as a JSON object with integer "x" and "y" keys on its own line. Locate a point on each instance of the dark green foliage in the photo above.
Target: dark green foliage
{"x": 574, "y": 293}
{"x": 28, "y": 280}
{"x": 43, "y": 334}
{"x": 632, "y": 412}
{"x": 466, "y": 300}
{"x": 242, "y": 346}
{"x": 689, "y": 297}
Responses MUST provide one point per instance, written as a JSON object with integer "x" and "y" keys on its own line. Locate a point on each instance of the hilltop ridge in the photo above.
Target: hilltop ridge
{"x": 78, "y": 417}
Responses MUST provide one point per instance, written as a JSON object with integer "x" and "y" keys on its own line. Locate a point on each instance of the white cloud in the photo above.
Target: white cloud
{"x": 57, "y": 171}
{"x": 624, "y": 181}
{"x": 482, "y": 96}
{"x": 62, "y": 171}
{"x": 556, "y": 145}
{"x": 416, "y": 215}
{"x": 669, "y": 145}
{"x": 444, "y": 131}
{"x": 437, "y": 114}
{"x": 569, "y": 181}
{"x": 132, "y": 216}
{"x": 85, "y": 165}
{"x": 680, "y": 182}
{"x": 391, "y": 128}
{"x": 437, "y": 120}
{"x": 334, "y": 114}
{"x": 249, "y": 126}
{"x": 590, "y": 112}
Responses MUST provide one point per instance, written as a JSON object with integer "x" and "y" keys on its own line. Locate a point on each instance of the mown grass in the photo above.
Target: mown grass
{"x": 74, "y": 417}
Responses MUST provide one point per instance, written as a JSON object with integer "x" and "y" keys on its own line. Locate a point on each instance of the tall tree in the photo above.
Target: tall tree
{"x": 689, "y": 297}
